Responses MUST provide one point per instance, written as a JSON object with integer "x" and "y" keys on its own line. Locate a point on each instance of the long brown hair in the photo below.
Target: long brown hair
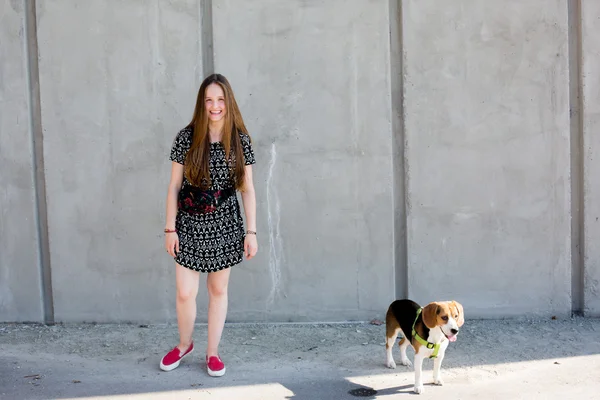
{"x": 198, "y": 157}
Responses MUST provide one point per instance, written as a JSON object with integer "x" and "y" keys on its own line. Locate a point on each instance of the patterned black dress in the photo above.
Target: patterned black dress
{"x": 213, "y": 241}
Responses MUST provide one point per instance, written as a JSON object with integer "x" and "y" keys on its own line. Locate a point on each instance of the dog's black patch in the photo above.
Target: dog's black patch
{"x": 405, "y": 311}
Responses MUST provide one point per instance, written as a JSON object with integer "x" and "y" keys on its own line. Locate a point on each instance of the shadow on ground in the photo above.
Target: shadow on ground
{"x": 78, "y": 361}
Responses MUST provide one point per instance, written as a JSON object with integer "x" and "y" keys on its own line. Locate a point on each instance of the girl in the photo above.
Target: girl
{"x": 212, "y": 159}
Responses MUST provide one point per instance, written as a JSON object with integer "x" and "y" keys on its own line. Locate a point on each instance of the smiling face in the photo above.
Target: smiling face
{"x": 214, "y": 101}
{"x": 447, "y": 315}
{"x": 216, "y": 118}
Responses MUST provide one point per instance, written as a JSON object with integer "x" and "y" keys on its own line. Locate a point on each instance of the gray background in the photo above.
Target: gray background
{"x": 422, "y": 148}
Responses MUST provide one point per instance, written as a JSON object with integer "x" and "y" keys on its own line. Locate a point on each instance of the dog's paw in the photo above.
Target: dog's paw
{"x": 406, "y": 362}
{"x": 390, "y": 364}
{"x": 438, "y": 381}
{"x": 418, "y": 389}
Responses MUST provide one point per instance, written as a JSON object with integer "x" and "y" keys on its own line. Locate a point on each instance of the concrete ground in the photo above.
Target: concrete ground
{"x": 516, "y": 359}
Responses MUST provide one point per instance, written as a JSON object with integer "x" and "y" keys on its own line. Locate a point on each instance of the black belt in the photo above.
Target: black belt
{"x": 194, "y": 200}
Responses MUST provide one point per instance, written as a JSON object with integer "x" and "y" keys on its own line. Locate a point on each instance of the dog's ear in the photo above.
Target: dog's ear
{"x": 430, "y": 313}
{"x": 461, "y": 315}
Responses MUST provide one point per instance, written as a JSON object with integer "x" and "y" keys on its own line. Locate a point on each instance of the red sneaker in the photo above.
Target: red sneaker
{"x": 174, "y": 357}
{"x": 215, "y": 366}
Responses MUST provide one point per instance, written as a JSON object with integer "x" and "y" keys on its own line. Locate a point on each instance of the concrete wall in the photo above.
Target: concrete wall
{"x": 305, "y": 83}
{"x": 487, "y": 133}
{"x": 113, "y": 94}
{"x": 20, "y": 294}
{"x": 404, "y": 148}
{"x": 590, "y": 118}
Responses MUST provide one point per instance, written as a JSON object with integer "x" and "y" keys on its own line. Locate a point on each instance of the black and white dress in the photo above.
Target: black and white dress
{"x": 213, "y": 241}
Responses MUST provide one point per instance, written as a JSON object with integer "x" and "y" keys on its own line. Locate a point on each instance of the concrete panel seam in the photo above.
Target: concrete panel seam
{"x": 398, "y": 153}
{"x": 576, "y": 155}
{"x": 207, "y": 41}
{"x": 39, "y": 178}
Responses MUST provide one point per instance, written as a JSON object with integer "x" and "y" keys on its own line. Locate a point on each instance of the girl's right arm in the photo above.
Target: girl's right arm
{"x": 172, "y": 239}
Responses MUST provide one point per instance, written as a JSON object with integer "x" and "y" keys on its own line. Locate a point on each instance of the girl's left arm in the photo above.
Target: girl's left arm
{"x": 249, "y": 201}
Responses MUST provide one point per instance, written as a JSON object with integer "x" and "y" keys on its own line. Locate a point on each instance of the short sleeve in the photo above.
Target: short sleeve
{"x": 247, "y": 149}
{"x": 181, "y": 145}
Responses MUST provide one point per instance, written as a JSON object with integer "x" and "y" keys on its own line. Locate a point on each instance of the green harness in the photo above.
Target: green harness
{"x": 434, "y": 346}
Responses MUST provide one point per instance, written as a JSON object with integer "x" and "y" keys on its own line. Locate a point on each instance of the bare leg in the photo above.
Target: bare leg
{"x": 187, "y": 282}
{"x": 217, "y": 283}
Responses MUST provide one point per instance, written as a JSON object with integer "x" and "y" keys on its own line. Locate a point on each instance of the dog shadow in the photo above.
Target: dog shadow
{"x": 404, "y": 389}
{"x": 347, "y": 390}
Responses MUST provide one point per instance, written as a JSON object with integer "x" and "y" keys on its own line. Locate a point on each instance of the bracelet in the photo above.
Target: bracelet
{"x": 250, "y": 233}
{"x": 170, "y": 230}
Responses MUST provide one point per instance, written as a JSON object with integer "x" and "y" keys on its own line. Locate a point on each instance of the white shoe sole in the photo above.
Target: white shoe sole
{"x": 175, "y": 364}
{"x": 215, "y": 373}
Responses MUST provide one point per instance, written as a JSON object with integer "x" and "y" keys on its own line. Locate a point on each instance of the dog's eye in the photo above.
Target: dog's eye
{"x": 445, "y": 318}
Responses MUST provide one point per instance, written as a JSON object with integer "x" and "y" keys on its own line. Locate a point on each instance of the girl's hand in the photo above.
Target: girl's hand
{"x": 250, "y": 246}
{"x": 172, "y": 243}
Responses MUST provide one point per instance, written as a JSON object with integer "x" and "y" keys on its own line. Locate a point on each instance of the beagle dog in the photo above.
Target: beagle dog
{"x": 428, "y": 330}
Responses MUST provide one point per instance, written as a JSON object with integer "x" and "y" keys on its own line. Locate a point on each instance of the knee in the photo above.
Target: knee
{"x": 184, "y": 295}
{"x": 217, "y": 290}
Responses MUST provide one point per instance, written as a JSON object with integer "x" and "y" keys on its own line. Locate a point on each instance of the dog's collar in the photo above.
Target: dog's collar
{"x": 423, "y": 342}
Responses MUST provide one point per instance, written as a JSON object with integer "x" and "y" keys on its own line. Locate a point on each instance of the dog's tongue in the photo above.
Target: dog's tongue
{"x": 452, "y": 338}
